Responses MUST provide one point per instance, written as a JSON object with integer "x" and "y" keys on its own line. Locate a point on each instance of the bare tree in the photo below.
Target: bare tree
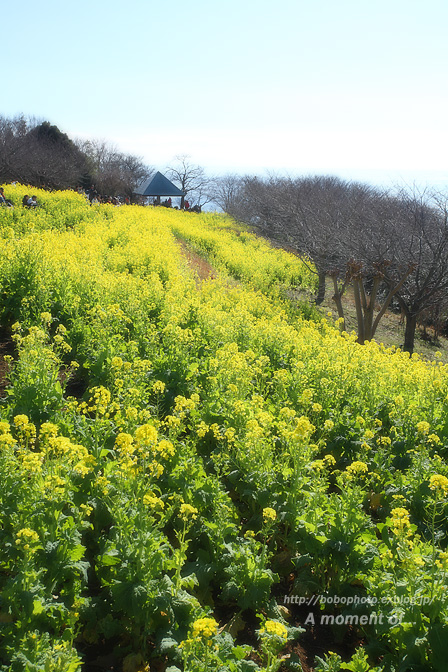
{"x": 308, "y": 216}
{"x": 13, "y": 133}
{"x": 342, "y": 227}
{"x": 227, "y": 192}
{"x": 192, "y": 180}
{"x": 112, "y": 172}
{"x": 420, "y": 239}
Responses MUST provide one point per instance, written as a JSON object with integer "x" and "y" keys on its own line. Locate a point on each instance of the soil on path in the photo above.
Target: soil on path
{"x": 6, "y": 348}
{"x": 197, "y": 264}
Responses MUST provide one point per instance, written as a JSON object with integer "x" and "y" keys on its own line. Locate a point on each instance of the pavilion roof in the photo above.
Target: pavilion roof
{"x": 158, "y": 185}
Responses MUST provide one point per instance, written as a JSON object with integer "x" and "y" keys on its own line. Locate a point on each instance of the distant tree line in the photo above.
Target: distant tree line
{"x": 38, "y": 153}
{"x": 391, "y": 246}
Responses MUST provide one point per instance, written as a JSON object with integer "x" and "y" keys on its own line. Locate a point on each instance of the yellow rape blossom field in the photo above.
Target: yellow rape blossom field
{"x": 201, "y": 475}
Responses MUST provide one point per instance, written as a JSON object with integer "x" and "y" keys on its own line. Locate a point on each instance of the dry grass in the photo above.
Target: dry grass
{"x": 390, "y": 330}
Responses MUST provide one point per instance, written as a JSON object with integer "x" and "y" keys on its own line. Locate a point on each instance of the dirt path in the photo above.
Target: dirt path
{"x": 6, "y": 348}
{"x": 197, "y": 264}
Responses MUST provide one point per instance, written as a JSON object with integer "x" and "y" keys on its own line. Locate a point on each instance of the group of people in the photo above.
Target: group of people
{"x": 27, "y": 201}
{"x": 94, "y": 197}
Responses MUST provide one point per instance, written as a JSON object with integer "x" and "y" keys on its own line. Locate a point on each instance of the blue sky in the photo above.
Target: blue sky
{"x": 354, "y": 88}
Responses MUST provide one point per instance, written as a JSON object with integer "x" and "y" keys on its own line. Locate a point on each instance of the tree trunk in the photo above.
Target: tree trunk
{"x": 359, "y": 313}
{"x": 321, "y": 289}
{"x": 337, "y": 298}
{"x": 409, "y": 333}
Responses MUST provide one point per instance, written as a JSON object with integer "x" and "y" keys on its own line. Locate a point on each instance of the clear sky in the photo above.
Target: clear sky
{"x": 356, "y": 88}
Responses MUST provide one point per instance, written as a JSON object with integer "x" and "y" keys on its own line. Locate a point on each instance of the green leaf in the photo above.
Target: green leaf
{"x": 108, "y": 559}
{"x": 77, "y": 553}
{"x": 438, "y": 639}
{"x": 38, "y": 607}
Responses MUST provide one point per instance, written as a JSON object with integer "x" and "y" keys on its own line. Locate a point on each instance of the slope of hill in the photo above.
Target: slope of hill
{"x": 200, "y": 475}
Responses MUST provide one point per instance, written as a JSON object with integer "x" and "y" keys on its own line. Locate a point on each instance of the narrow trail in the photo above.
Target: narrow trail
{"x": 6, "y": 348}
{"x": 197, "y": 264}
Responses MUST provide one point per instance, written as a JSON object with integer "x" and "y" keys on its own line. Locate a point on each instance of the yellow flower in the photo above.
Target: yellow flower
{"x": 230, "y": 434}
{"x": 275, "y": 629}
{"x": 131, "y": 413}
{"x": 204, "y": 628}
{"x": 103, "y": 484}
{"x": 269, "y": 515}
{"x": 152, "y": 501}
{"x": 400, "y": 498}
{"x": 7, "y": 440}
{"x": 357, "y": 468}
{"x": 86, "y": 509}
{"x": 442, "y": 562}
{"x": 202, "y": 429}
{"x": 158, "y": 387}
{"x": 32, "y": 462}
{"x": 21, "y": 421}
{"x": 188, "y": 512}
{"x": 399, "y": 519}
{"x": 439, "y": 483}
{"x": 146, "y": 434}
{"x": 99, "y": 400}
{"x": 172, "y": 421}
{"x": 254, "y": 431}
{"x": 306, "y": 396}
{"x": 124, "y": 442}
{"x": 214, "y": 428}
{"x": 155, "y": 469}
{"x": 25, "y": 537}
{"x": 287, "y": 413}
{"x": 303, "y": 428}
{"x": 423, "y": 427}
{"x": 116, "y": 362}
{"x": 181, "y": 402}
{"x": 48, "y": 430}
{"x": 4, "y": 427}
{"x": 165, "y": 449}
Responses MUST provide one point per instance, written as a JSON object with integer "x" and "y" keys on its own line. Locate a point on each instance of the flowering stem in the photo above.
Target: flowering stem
{"x": 433, "y": 531}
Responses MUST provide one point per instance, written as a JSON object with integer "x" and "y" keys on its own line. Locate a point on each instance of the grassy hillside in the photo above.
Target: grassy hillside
{"x": 197, "y": 473}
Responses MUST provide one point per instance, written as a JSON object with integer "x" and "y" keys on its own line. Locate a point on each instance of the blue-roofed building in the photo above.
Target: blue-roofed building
{"x": 159, "y": 186}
